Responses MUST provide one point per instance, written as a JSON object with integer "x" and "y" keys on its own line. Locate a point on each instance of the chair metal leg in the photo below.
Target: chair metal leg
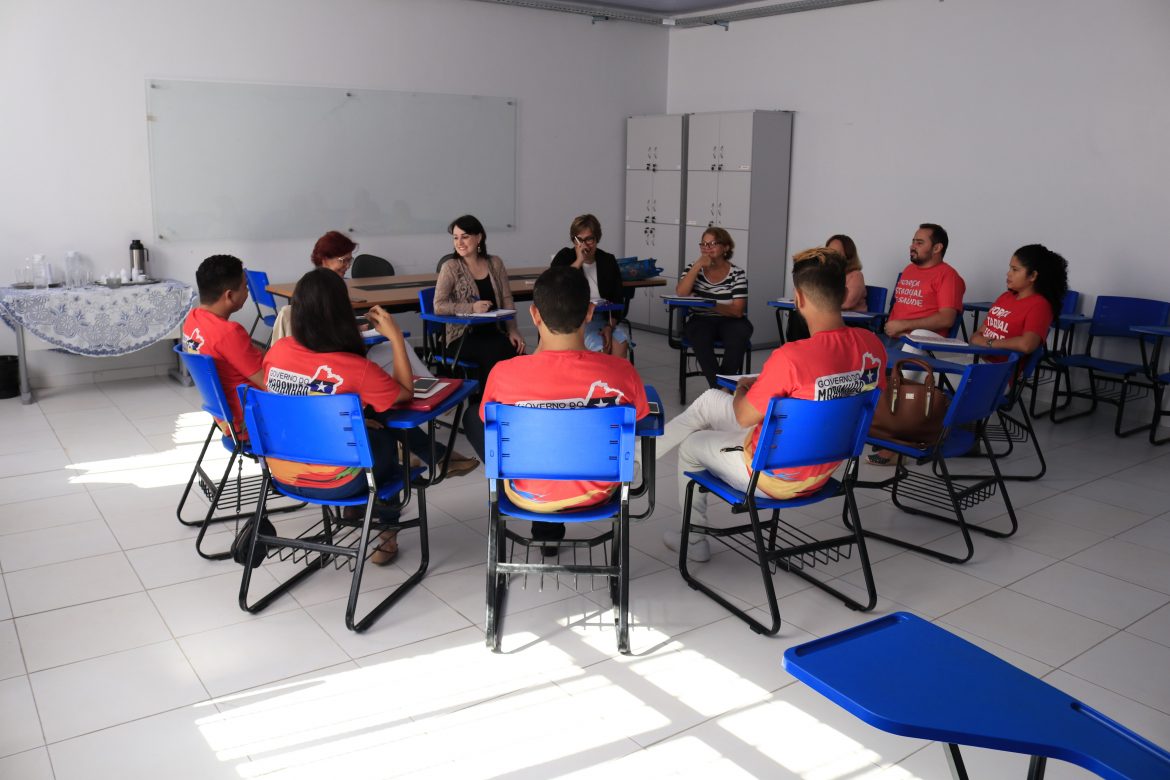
{"x": 497, "y": 584}
{"x": 359, "y": 625}
{"x": 311, "y": 567}
{"x": 1036, "y": 767}
{"x": 682, "y": 376}
{"x": 893, "y": 484}
{"x": 1159, "y": 413}
{"x": 955, "y": 762}
{"x": 623, "y": 578}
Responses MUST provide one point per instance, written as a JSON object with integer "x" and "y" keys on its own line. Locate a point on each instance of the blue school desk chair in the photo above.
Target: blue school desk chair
{"x": 258, "y": 289}
{"x": 907, "y": 676}
{"x": 238, "y": 497}
{"x": 327, "y": 430}
{"x": 794, "y": 432}
{"x": 517, "y": 445}
{"x": 678, "y": 311}
{"x": 979, "y": 394}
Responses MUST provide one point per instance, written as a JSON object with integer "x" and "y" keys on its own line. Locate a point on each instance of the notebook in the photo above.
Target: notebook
{"x": 432, "y": 396}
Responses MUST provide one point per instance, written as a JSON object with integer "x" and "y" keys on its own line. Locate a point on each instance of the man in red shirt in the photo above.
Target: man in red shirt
{"x": 209, "y": 330}
{"x": 929, "y": 295}
{"x": 719, "y": 432}
{"x": 562, "y": 373}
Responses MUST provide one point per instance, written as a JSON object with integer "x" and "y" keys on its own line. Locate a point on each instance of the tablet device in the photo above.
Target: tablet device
{"x": 424, "y": 383}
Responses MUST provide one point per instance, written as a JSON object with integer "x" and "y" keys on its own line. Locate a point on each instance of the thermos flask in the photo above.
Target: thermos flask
{"x": 139, "y": 256}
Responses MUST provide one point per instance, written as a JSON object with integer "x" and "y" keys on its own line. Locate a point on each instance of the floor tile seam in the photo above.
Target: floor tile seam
{"x": 36, "y": 708}
{"x": 156, "y": 643}
{"x": 85, "y": 557}
{"x": 1118, "y": 575}
{"x": 1112, "y": 630}
{"x": 86, "y": 602}
{"x": 1102, "y": 684}
{"x": 49, "y": 745}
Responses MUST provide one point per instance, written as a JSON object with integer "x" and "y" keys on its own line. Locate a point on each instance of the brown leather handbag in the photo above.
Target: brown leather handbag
{"x": 910, "y": 412}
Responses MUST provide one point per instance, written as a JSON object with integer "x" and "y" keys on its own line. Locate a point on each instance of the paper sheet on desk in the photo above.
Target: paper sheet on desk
{"x": 491, "y": 315}
{"x": 734, "y": 378}
{"x": 938, "y": 340}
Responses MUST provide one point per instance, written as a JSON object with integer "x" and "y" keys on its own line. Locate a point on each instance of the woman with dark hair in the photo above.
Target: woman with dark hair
{"x": 326, "y": 355}
{"x": 474, "y": 282}
{"x": 1037, "y": 280}
{"x": 714, "y": 277}
{"x": 602, "y": 333}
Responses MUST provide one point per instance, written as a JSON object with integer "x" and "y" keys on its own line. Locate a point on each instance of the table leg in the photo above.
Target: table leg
{"x": 1036, "y": 767}
{"x": 26, "y": 396}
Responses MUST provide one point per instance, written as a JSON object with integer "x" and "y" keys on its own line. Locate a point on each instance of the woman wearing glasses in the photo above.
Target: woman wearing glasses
{"x": 714, "y": 277}
{"x": 474, "y": 282}
{"x": 603, "y": 333}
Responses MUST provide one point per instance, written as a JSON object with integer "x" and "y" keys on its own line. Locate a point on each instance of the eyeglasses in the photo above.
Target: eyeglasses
{"x": 708, "y": 244}
{"x": 346, "y": 260}
{"x": 585, "y": 239}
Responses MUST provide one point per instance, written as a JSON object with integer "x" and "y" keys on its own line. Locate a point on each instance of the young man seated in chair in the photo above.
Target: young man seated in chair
{"x": 209, "y": 330}
{"x": 718, "y": 432}
{"x": 562, "y": 373}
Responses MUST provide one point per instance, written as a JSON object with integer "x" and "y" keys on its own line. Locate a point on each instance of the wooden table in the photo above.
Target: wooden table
{"x": 400, "y": 293}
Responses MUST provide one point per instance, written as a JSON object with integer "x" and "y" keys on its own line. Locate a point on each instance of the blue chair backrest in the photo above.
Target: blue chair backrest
{"x": 257, "y": 287}
{"x": 1114, "y": 315}
{"x": 980, "y": 392}
{"x": 203, "y": 372}
{"x": 323, "y": 429}
{"x": 798, "y": 432}
{"x": 1071, "y": 303}
{"x": 595, "y": 444}
{"x": 426, "y": 300}
{"x": 875, "y": 298}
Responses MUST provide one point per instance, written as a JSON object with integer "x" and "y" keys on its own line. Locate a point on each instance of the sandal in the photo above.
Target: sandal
{"x": 876, "y": 458}
{"x": 387, "y": 549}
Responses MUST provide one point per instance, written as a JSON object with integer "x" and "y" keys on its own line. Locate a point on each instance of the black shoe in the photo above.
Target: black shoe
{"x": 548, "y": 532}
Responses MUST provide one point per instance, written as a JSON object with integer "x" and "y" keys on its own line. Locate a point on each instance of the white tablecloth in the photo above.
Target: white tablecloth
{"x": 96, "y": 320}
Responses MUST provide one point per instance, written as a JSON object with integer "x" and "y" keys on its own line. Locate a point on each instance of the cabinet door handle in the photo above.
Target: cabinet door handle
{"x": 720, "y": 153}
{"x": 714, "y": 152}
{"x": 712, "y": 166}
{"x": 720, "y": 166}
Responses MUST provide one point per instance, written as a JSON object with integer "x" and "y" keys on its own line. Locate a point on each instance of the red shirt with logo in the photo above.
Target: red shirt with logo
{"x": 1010, "y": 316}
{"x": 830, "y": 364}
{"x": 236, "y": 357}
{"x": 292, "y": 369}
{"x": 921, "y": 292}
{"x": 563, "y": 379}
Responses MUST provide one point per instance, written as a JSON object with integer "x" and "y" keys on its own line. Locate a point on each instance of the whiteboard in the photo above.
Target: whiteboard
{"x": 256, "y": 161}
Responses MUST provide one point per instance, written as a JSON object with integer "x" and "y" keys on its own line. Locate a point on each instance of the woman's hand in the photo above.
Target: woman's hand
{"x": 384, "y": 323}
{"x": 481, "y": 307}
{"x": 517, "y": 341}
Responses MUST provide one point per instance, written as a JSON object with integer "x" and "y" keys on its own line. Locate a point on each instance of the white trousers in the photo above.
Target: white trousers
{"x": 708, "y": 437}
{"x": 383, "y": 355}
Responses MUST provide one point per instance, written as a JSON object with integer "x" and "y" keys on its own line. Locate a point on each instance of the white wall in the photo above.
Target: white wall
{"x": 73, "y": 144}
{"x": 1007, "y": 121}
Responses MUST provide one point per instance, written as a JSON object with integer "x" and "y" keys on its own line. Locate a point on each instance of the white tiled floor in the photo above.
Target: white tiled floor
{"x": 124, "y": 655}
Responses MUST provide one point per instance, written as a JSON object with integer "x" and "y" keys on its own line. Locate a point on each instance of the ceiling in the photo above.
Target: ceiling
{"x": 677, "y": 13}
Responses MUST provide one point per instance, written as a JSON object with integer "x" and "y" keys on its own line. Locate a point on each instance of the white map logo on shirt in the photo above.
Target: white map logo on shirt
{"x": 850, "y": 383}
{"x": 323, "y": 382}
{"x": 599, "y": 394}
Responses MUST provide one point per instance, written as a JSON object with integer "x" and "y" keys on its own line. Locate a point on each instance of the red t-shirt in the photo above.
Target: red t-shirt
{"x": 563, "y": 379}
{"x": 1010, "y": 316}
{"x": 236, "y": 357}
{"x": 831, "y": 364}
{"x": 921, "y": 292}
{"x": 291, "y": 369}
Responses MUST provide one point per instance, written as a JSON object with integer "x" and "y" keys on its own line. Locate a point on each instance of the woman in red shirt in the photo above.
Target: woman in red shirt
{"x": 326, "y": 355}
{"x": 1037, "y": 281}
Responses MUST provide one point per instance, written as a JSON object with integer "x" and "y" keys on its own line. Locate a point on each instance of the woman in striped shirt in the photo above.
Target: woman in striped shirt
{"x": 713, "y": 276}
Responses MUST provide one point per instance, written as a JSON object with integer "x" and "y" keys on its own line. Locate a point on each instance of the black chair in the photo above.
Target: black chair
{"x": 978, "y": 396}
{"x": 1113, "y": 318}
{"x": 517, "y": 445}
{"x": 365, "y": 266}
{"x": 443, "y": 259}
{"x": 794, "y": 433}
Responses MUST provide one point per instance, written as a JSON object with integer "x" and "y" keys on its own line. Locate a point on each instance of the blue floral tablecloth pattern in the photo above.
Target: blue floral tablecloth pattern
{"x": 98, "y": 321}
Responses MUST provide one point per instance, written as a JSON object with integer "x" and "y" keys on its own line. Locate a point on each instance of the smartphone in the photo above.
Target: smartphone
{"x": 424, "y": 383}
{"x": 654, "y": 407}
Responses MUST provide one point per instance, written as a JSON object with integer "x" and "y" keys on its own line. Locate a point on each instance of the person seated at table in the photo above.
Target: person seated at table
{"x": 1037, "y": 280}
{"x": 562, "y": 373}
{"x": 209, "y": 330}
{"x": 929, "y": 294}
{"x": 719, "y": 432}
{"x": 713, "y": 277}
{"x": 334, "y": 251}
{"x": 603, "y": 333}
{"x": 325, "y": 355}
{"x": 475, "y": 282}
{"x": 854, "y": 285}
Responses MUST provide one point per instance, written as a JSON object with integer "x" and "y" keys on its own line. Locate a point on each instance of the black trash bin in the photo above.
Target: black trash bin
{"x": 9, "y": 376}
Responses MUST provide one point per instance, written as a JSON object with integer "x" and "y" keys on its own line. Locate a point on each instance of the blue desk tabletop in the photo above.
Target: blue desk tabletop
{"x": 907, "y": 676}
{"x": 688, "y": 303}
{"x": 1152, "y": 330}
{"x": 652, "y": 424}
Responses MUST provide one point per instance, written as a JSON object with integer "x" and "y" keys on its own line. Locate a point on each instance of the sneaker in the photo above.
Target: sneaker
{"x": 698, "y": 549}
